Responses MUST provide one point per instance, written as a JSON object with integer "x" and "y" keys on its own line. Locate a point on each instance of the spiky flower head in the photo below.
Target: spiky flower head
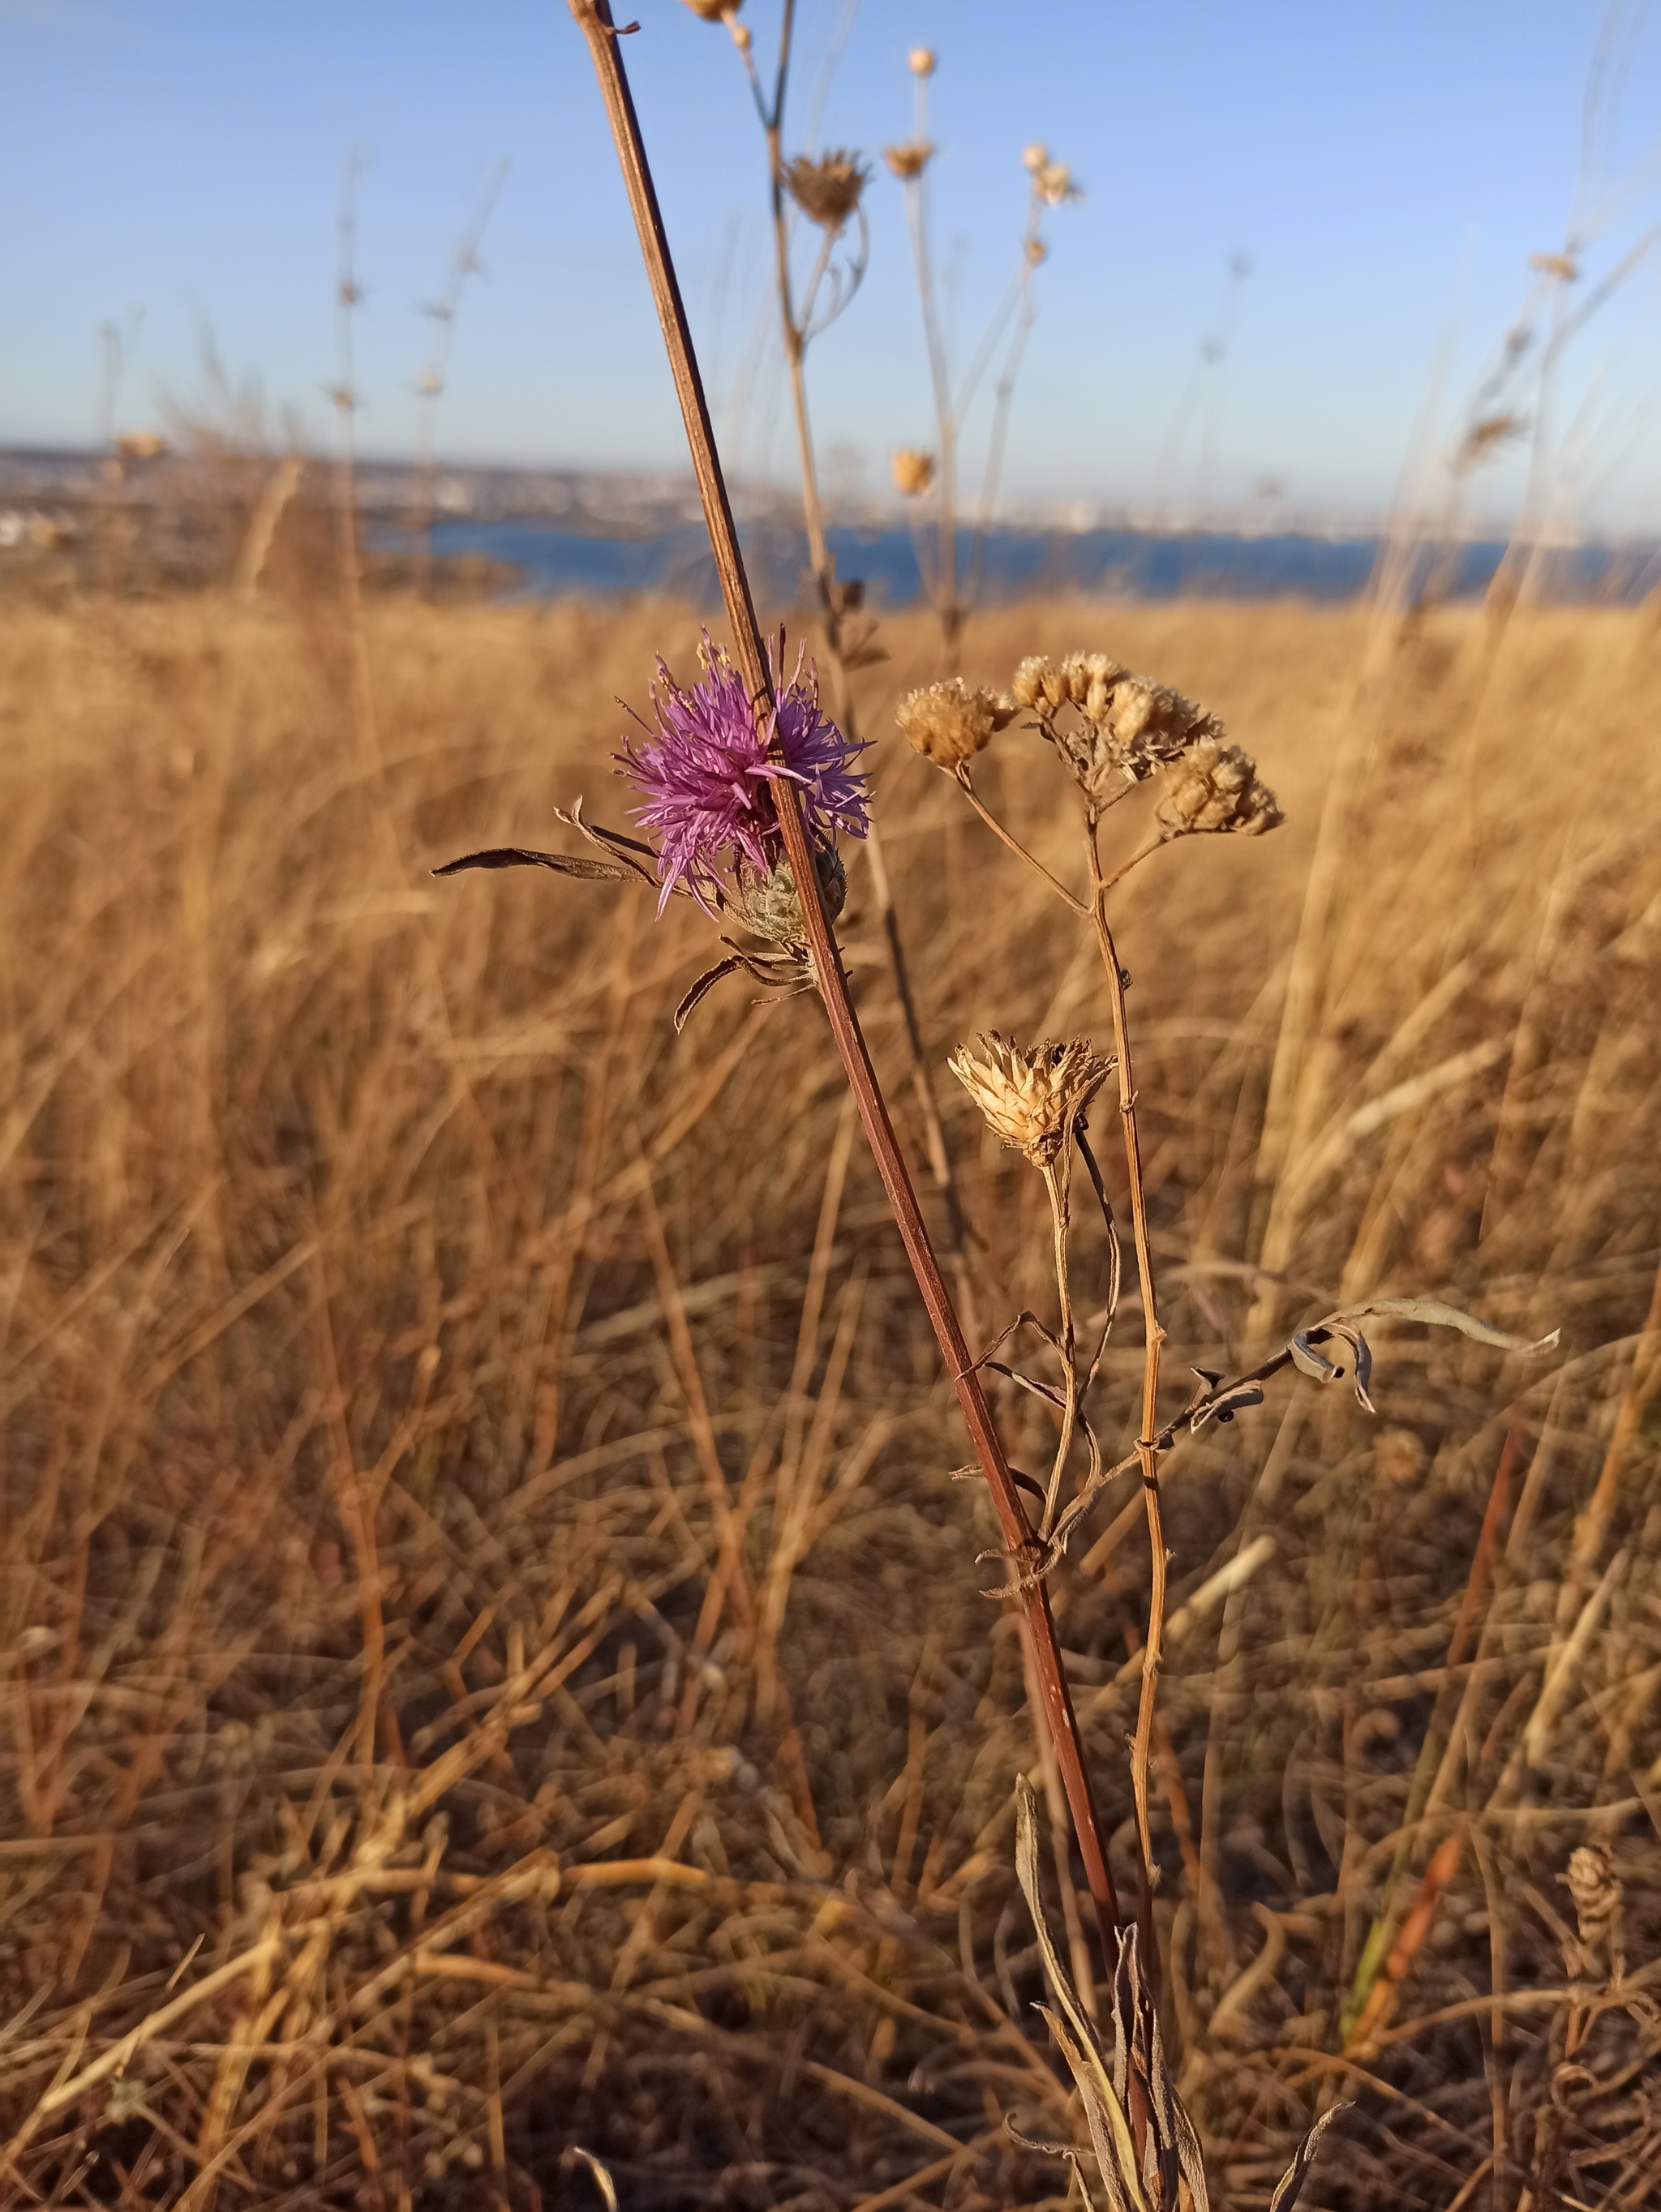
{"x": 769, "y": 907}
{"x": 827, "y": 190}
{"x": 1031, "y": 1100}
{"x": 702, "y": 774}
{"x": 950, "y": 722}
{"x": 1214, "y": 787}
{"x": 913, "y": 470}
{"x": 908, "y": 159}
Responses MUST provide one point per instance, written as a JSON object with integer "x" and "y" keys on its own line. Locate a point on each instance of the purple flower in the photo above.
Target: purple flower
{"x": 704, "y": 773}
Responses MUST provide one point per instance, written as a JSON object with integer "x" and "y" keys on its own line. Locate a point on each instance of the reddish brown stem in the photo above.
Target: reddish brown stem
{"x": 594, "y": 17}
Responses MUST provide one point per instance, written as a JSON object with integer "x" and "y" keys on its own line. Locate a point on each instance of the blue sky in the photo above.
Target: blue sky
{"x": 1388, "y": 165}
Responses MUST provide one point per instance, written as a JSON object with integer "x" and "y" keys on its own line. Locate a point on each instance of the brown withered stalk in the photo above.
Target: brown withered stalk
{"x": 594, "y": 18}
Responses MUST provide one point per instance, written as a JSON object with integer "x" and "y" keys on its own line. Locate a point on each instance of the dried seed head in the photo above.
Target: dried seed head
{"x": 769, "y": 906}
{"x": 741, "y": 35}
{"x": 827, "y": 190}
{"x": 908, "y": 159}
{"x": 1038, "y": 682}
{"x": 921, "y": 59}
{"x": 949, "y": 722}
{"x": 1053, "y": 183}
{"x": 713, "y": 11}
{"x": 1398, "y": 1456}
{"x": 1036, "y": 250}
{"x": 914, "y": 471}
{"x": 1031, "y": 1100}
{"x": 1214, "y": 788}
{"x": 1034, "y": 157}
{"x": 1596, "y": 1889}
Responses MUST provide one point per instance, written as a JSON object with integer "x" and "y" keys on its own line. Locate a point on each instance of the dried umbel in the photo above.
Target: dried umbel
{"x": 1122, "y": 727}
{"x": 769, "y": 905}
{"x": 1031, "y": 1100}
{"x": 1214, "y": 787}
{"x": 827, "y": 190}
{"x": 913, "y": 472}
{"x": 949, "y": 723}
{"x": 908, "y": 159}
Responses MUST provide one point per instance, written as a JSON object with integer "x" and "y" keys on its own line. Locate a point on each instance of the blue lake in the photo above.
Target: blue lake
{"x": 1017, "y": 563}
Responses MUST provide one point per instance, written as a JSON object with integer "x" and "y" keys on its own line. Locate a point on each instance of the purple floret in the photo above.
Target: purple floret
{"x": 703, "y": 773}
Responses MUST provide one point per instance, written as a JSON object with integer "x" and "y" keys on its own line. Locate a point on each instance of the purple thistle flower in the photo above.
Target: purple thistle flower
{"x": 703, "y": 774}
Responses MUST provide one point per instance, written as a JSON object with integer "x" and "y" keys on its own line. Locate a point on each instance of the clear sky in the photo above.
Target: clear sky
{"x": 1388, "y": 165}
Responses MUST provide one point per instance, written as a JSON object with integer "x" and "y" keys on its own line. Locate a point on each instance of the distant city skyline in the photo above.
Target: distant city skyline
{"x": 1305, "y": 233}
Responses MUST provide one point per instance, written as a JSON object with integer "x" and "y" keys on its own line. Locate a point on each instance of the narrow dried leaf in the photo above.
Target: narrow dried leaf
{"x": 602, "y": 2178}
{"x": 1308, "y": 1361}
{"x": 705, "y": 983}
{"x": 1438, "y": 1315}
{"x": 1290, "y": 2185}
{"x": 1109, "y": 2131}
{"x": 520, "y": 856}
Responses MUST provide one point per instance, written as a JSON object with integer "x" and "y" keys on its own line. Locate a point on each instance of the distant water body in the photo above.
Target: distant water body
{"x": 551, "y": 562}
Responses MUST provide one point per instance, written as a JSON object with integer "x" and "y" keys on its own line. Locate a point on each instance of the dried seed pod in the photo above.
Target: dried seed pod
{"x": 1031, "y": 1100}
{"x": 1214, "y": 787}
{"x": 827, "y": 190}
{"x": 913, "y": 472}
{"x": 769, "y": 908}
{"x": 908, "y": 159}
{"x": 950, "y": 722}
{"x": 1595, "y": 1887}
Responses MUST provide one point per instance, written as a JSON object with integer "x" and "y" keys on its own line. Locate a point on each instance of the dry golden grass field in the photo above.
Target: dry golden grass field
{"x": 494, "y": 1657}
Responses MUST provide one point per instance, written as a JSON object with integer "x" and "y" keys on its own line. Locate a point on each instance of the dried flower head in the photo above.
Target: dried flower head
{"x": 827, "y": 190}
{"x": 703, "y": 776}
{"x": 908, "y": 159}
{"x": 913, "y": 472}
{"x": 1123, "y": 726}
{"x": 1561, "y": 265}
{"x": 950, "y": 722}
{"x": 1214, "y": 787}
{"x": 714, "y": 11}
{"x": 1036, "y": 250}
{"x": 1034, "y": 157}
{"x": 769, "y": 906}
{"x": 922, "y": 61}
{"x": 1053, "y": 183}
{"x": 1031, "y": 1100}
{"x": 1595, "y": 1887}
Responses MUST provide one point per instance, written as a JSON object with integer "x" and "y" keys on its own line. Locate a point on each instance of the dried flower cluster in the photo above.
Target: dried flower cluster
{"x": 913, "y": 472}
{"x": 950, "y": 722}
{"x": 705, "y": 775}
{"x": 827, "y": 190}
{"x": 1051, "y": 180}
{"x": 1212, "y": 786}
{"x": 1121, "y": 728}
{"x": 1031, "y": 1100}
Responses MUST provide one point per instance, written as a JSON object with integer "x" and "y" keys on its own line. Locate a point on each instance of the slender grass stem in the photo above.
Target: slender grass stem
{"x": 1154, "y": 1338}
{"x": 594, "y": 16}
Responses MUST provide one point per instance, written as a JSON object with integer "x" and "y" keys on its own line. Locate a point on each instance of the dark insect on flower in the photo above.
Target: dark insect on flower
{"x": 702, "y": 774}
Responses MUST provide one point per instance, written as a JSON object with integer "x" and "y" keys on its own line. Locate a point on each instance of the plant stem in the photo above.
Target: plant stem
{"x": 1057, "y": 1179}
{"x": 1012, "y": 843}
{"x": 594, "y": 18}
{"x": 822, "y": 562}
{"x": 1154, "y": 1337}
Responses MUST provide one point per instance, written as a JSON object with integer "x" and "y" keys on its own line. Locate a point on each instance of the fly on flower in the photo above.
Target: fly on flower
{"x": 703, "y": 773}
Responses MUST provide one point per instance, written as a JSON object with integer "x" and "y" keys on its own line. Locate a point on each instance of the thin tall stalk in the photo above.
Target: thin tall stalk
{"x": 429, "y": 389}
{"x": 837, "y": 601}
{"x": 595, "y": 20}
